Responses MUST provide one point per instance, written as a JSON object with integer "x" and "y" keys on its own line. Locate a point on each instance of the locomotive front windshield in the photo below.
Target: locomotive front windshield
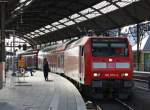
{"x": 109, "y": 47}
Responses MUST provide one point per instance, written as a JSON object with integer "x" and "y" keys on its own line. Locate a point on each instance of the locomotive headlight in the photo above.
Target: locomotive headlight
{"x": 96, "y": 74}
{"x": 125, "y": 74}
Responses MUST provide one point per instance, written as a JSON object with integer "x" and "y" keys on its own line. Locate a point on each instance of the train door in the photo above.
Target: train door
{"x": 81, "y": 64}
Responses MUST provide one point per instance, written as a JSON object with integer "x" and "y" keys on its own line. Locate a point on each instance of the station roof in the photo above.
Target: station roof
{"x": 43, "y": 21}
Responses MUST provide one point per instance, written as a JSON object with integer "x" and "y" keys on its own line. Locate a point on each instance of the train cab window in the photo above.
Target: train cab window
{"x": 109, "y": 49}
{"x": 99, "y": 49}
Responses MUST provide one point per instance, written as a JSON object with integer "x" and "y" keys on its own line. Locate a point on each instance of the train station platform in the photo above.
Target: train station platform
{"x": 34, "y": 93}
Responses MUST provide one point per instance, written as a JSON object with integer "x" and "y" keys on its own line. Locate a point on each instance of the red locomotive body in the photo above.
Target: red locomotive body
{"x": 100, "y": 63}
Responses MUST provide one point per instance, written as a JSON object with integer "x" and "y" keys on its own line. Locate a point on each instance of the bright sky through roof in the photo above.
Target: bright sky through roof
{"x": 96, "y": 10}
{"x": 21, "y": 1}
{"x": 17, "y": 40}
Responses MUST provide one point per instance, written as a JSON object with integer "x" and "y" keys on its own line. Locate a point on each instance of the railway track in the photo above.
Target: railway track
{"x": 92, "y": 106}
{"x": 115, "y": 104}
{"x": 124, "y": 104}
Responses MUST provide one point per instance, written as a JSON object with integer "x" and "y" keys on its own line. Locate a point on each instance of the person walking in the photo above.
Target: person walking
{"x": 45, "y": 69}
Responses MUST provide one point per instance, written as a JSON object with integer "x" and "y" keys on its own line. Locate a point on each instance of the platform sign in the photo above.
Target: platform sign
{"x": 2, "y": 74}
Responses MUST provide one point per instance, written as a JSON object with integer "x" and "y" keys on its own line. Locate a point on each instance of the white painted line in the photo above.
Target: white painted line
{"x": 98, "y": 107}
{"x": 124, "y": 104}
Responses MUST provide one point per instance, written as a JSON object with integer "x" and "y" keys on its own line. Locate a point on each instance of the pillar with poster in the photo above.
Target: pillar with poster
{"x": 2, "y": 64}
{"x": 2, "y": 74}
{"x": 2, "y": 42}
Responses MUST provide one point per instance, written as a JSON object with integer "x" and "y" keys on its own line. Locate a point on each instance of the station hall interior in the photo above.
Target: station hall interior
{"x": 99, "y": 49}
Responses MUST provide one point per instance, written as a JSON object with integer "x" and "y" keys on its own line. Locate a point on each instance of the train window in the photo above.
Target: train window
{"x": 62, "y": 59}
{"x": 100, "y": 44}
{"x": 121, "y": 45}
{"x": 109, "y": 49}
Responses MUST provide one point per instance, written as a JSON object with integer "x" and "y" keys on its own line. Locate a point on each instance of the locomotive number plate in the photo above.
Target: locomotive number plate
{"x": 111, "y": 75}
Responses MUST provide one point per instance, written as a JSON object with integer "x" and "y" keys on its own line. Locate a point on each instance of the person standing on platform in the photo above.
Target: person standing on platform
{"x": 30, "y": 65}
{"x": 45, "y": 69}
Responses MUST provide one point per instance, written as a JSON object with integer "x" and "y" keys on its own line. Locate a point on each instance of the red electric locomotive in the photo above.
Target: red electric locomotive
{"x": 102, "y": 64}
{"x": 99, "y": 64}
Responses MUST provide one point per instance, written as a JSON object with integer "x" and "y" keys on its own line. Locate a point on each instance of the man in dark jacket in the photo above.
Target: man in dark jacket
{"x": 45, "y": 69}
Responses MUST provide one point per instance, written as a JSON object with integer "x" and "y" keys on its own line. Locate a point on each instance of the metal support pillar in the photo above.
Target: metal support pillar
{"x": 2, "y": 36}
{"x": 119, "y": 31}
{"x": 2, "y": 45}
{"x": 13, "y": 57}
{"x": 138, "y": 47}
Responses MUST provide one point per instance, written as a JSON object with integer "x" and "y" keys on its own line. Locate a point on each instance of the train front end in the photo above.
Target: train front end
{"x": 110, "y": 66}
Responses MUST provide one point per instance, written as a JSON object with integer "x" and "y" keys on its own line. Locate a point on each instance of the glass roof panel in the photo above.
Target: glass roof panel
{"x": 42, "y": 29}
{"x": 53, "y": 29}
{"x": 74, "y": 16}
{"x": 19, "y": 7}
{"x": 122, "y": 4}
{"x": 36, "y": 31}
{"x": 32, "y": 36}
{"x": 28, "y": 34}
{"x": 108, "y": 9}
{"x": 80, "y": 19}
{"x": 60, "y": 26}
{"x": 36, "y": 35}
{"x": 41, "y": 33}
{"x": 69, "y": 23}
{"x": 64, "y": 20}
{"x": 101, "y": 4}
{"x": 21, "y": 1}
{"x": 32, "y": 32}
{"x": 86, "y": 11}
{"x": 93, "y": 15}
{"x": 55, "y": 23}
{"x": 48, "y": 26}
{"x": 47, "y": 31}
{"x": 28, "y": 3}
{"x": 25, "y": 36}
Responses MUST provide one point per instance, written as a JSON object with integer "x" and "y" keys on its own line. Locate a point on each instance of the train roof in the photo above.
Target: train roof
{"x": 30, "y": 51}
{"x": 74, "y": 42}
{"x": 49, "y": 48}
{"x": 63, "y": 46}
{"x": 83, "y": 40}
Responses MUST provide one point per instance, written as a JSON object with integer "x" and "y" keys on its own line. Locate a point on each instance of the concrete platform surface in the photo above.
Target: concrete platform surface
{"x": 34, "y": 93}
